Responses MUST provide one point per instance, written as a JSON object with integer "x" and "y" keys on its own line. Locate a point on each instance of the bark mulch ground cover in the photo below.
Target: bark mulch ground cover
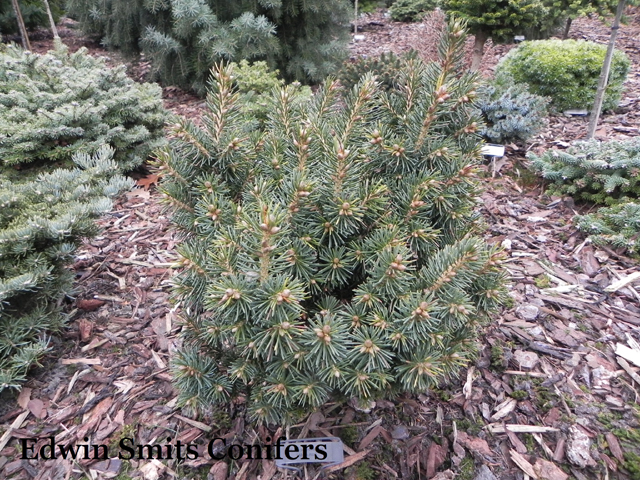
{"x": 553, "y": 394}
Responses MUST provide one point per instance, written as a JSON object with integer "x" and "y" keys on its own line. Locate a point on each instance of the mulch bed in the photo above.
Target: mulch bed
{"x": 552, "y": 394}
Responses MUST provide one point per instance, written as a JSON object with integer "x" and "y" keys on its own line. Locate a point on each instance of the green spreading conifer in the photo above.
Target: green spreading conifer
{"x": 600, "y": 172}
{"x": 335, "y": 252}
{"x": 617, "y": 226}
{"x": 55, "y": 105}
{"x": 42, "y": 221}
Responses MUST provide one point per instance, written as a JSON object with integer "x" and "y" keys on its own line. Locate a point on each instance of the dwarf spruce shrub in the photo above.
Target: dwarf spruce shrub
{"x": 511, "y": 113}
{"x": 567, "y": 71}
{"x": 55, "y": 105}
{"x": 385, "y": 68}
{"x": 617, "y": 226}
{"x": 600, "y": 172}
{"x": 411, "y": 10}
{"x": 42, "y": 221}
{"x": 337, "y": 252}
{"x": 255, "y": 82}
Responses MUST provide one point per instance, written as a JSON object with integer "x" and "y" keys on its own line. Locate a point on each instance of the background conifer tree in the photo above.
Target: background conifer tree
{"x": 33, "y": 12}
{"x": 335, "y": 252}
{"x": 184, "y": 38}
{"x": 499, "y": 20}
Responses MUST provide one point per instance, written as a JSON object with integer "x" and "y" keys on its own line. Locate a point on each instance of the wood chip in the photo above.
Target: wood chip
{"x": 623, "y": 282}
{"x": 577, "y": 305}
{"x": 75, "y": 378}
{"x": 98, "y": 413}
{"x": 526, "y": 374}
{"x": 194, "y": 423}
{"x": 504, "y": 409}
{"x": 560, "y": 289}
{"x": 468, "y": 385}
{"x": 158, "y": 360}
{"x": 347, "y": 449}
{"x": 370, "y": 437}
{"x": 614, "y": 446}
{"x": 558, "y": 453}
{"x": 538, "y": 438}
{"x": 628, "y": 354}
{"x": 109, "y": 298}
{"x": 86, "y": 361}
{"x": 500, "y": 428}
{"x": 522, "y": 463}
{"x": 136, "y": 262}
{"x": 14, "y": 426}
{"x": 548, "y": 470}
{"x": 561, "y": 353}
{"x": 348, "y": 462}
{"x": 515, "y": 441}
{"x": 95, "y": 343}
{"x": 436, "y": 456}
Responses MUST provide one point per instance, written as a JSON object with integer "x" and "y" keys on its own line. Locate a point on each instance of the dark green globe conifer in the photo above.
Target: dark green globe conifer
{"x": 335, "y": 252}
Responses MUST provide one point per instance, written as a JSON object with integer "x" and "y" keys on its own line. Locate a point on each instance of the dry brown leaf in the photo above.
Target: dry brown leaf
{"x": 90, "y": 305}
{"x": 140, "y": 193}
{"x": 614, "y": 446}
{"x": 85, "y": 327}
{"x": 24, "y": 397}
{"x": 436, "y": 455}
{"x": 147, "y": 181}
{"x": 36, "y": 406}
{"x": 474, "y": 444}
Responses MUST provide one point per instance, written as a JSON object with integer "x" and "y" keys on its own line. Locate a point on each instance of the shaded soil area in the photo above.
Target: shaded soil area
{"x": 553, "y": 394}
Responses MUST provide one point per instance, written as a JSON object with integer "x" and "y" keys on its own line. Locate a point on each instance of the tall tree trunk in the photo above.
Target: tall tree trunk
{"x": 355, "y": 20}
{"x": 604, "y": 73}
{"x": 478, "y": 49}
{"x": 23, "y": 30}
{"x": 54, "y": 30}
{"x": 567, "y": 27}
